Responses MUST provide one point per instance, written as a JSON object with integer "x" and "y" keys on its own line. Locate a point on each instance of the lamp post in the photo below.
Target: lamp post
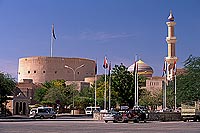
{"x": 74, "y": 71}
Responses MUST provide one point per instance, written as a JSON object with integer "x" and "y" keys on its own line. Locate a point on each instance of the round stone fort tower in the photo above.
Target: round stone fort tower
{"x": 41, "y": 68}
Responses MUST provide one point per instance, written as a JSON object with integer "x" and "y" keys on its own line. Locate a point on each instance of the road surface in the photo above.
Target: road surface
{"x": 98, "y": 127}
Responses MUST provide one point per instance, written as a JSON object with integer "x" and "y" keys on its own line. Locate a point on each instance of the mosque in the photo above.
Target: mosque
{"x": 143, "y": 69}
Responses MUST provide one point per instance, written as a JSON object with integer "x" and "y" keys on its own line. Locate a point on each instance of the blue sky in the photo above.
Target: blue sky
{"x": 119, "y": 29}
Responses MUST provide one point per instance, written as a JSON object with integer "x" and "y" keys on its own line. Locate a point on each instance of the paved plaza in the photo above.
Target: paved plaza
{"x": 98, "y": 127}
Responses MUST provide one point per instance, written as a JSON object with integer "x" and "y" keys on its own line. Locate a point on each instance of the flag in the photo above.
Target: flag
{"x": 105, "y": 63}
{"x": 169, "y": 72}
{"x": 109, "y": 69}
{"x": 53, "y": 32}
{"x": 135, "y": 67}
{"x": 174, "y": 68}
{"x": 164, "y": 68}
{"x": 95, "y": 68}
{"x": 136, "y": 64}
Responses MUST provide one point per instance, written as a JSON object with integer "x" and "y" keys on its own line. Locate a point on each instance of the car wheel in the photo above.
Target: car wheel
{"x": 115, "y": 121}
{"x": 195, "y": 119}
{"x": 185, "y": 120}
{"x": 124, "y": 121}
{"x": 106, "y": 121}
{"x": 41, "y": 117}
{"x": 53, "y": 117}
{"x": 136, "y": 121}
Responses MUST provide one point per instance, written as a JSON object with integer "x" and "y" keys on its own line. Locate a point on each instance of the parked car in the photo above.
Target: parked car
{"x": 90, "y": 110}
{"x": 42, "y": 112}
{"x": 136, "y": 115}
{"x": 112, "y": 116}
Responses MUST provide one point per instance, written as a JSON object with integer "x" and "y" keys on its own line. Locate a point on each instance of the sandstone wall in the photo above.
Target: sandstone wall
{"x": 41, "y": 69}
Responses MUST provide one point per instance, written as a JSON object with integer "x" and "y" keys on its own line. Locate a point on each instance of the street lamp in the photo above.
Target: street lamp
{"x": 74, "y": 71}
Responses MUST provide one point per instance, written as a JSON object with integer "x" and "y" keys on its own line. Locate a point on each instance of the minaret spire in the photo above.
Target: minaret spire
{"x": 171, "y": 17}
{"x": 171, "y": 59}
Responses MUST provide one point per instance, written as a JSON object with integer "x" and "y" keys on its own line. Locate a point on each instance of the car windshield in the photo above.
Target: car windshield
{"x": 88, "y": 109}
{"x": 93, "y": 108}
{"x": 114, "y": 112}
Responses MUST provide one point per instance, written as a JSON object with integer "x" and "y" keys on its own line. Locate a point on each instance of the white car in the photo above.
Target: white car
{"x": 89, "y": 110}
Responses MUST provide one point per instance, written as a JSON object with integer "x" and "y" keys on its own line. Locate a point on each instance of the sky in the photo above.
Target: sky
{"x": 117, "y": 29}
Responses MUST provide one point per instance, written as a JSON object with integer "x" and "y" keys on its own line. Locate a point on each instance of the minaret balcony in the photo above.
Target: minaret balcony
{"x": 171, "y": 60}
{"x": 171, "y": 40}
{"x": 171, "y": 23}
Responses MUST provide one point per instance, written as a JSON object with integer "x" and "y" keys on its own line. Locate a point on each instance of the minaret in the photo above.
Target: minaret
{"x": 171, "y": 59}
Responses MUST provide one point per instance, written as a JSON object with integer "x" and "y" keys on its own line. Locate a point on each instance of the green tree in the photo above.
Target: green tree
{"x": 170, "y": 95}
{"x": 87, "y": 92}
{"x": 101, "y": 91}
{"x": 150, "y": 100}
{"x": 56, "y": 92}
{"x": 85, "y": 97}
{"x": 123, "y": 83}
{"x": 40, "y": 94}
{"x": 7, "y": 85}
{"x": 188, "y": 84}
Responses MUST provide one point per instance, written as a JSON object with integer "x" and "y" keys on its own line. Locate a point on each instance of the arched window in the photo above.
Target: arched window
{"x": 24, "y": 108}
{"x": 17, "y": 108}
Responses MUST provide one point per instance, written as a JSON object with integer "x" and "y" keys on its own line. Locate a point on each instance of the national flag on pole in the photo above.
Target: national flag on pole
{"x": 164, "y": 68}
{"x": 53, "y": 32}
{"x": 95, "y": 68}
{"x": 109, "y": 69}
{"x": 136, "y": 67}
{"x": 136, "y": 64}
{"x": 174, "y": 68}
{"x": 105, "y": 63}
{"x": 169, "y": 72}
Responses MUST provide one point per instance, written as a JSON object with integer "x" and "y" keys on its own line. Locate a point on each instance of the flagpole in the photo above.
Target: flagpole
{"x": 109, "y": 103}
{"x": 109, "y": 92}
{"x": 52, "y": 41}
{"x": 137, "y": 91}
{"x": 95, "y": 93}
{"x": 175, "y": 91}
{"x": 95, "y": 86}
{"x": 165, "y": 93}
{"x": 135, "y": 85}
{"x": 105, "y": 92}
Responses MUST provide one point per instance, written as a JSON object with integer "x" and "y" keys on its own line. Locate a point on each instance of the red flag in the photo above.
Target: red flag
{"x": 105, "y": 63}
{"x": 53, "y": 32}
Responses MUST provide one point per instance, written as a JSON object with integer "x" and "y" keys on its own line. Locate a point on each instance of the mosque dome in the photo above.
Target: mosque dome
{"x": 143, "y": 69}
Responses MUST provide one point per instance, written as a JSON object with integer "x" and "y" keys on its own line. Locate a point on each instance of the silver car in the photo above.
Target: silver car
{"x": 42, "y": 112}
{"x": 112, "y": 116}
